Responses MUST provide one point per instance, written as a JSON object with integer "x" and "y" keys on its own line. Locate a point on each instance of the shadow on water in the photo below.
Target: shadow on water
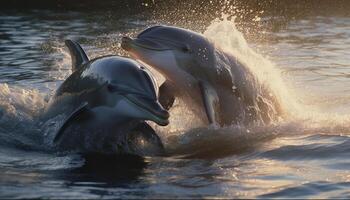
{"x": 105, "y": 171}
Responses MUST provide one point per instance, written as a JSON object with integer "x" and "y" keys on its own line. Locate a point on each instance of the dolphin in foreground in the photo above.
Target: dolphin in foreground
{"x": 106, "y": 101}
{"x": 214, "y": 84}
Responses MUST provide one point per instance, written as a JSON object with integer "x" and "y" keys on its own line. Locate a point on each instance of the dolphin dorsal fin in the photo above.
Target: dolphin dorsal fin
{"x": 77, "y": 54}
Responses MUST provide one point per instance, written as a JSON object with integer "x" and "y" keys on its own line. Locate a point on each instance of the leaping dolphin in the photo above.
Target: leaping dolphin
{"x": 106, "y": 101}
{"x": 214, "y": 84}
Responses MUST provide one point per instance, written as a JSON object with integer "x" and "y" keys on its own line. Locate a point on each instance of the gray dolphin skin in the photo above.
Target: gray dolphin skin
{"x": 215, "y": 85}
{"x": 106, "y": 97}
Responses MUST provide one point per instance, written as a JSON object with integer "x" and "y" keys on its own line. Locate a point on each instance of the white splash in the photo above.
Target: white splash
{"x": 20, "y": 102}
{"x": 63, "y": 66}
{"x": 226, "y": 36}
{"x": 301, "y": 119}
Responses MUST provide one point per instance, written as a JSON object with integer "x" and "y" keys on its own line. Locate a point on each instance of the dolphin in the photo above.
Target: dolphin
{"x": 105, "y": 102}
{"x": 217, "y": 87}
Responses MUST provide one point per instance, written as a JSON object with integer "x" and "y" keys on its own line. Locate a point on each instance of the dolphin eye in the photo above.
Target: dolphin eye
{"x": 186, "y": 49}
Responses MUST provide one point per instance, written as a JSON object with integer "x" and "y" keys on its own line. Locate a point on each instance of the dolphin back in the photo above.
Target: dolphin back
{"x": 77, "y": 54}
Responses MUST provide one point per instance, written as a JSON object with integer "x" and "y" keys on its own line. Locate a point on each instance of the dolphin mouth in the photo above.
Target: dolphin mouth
{"x": 145, "y": 43}
{"x": 156, "y": 112}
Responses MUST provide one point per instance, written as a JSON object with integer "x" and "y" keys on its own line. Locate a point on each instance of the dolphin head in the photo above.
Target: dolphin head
{"x": 127, "y": 87}
{"x": 170, "y": 50}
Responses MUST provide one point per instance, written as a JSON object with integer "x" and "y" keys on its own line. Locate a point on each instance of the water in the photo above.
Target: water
{"x": 304, "y": 59}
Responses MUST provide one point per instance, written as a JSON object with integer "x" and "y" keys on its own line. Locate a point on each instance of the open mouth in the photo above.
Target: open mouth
{"x": 153, "y": 108}
{"x": 145, "y": 43}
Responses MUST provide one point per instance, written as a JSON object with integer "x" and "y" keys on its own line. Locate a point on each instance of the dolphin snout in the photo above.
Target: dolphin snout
{"x": 161, "y": 112}
{"x": 153, "y": 108}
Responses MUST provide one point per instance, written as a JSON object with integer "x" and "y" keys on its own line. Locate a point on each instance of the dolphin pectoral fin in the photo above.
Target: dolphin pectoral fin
{"x": 77, "y": 54}
{"x": 211, "y": 102}
{"x": 77, "y": 114}
{"x": 166, "y": 95}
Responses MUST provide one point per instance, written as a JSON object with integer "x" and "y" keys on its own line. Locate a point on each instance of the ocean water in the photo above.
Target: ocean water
{"x": 304, "y": 60}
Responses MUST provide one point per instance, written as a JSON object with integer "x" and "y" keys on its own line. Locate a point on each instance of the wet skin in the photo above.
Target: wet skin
{"x": 105, "y": 100}
{"x": 214, "y": 84}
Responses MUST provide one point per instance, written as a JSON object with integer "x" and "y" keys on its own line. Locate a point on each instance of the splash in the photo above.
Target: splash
{"x": 19, "y": 106}
{"x": 19, "y": 109}
{"x": 225, "y": 35}
{"x": 300, "y": 119}
{"x": 20, "y": 103}
{"x": 63, "y": 64}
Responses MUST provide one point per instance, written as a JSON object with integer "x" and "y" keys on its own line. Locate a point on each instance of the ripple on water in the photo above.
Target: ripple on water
{"x": 306, "y": 159}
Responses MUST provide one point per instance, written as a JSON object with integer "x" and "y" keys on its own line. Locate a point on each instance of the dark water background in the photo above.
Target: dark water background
{"x": 307, "y": 41}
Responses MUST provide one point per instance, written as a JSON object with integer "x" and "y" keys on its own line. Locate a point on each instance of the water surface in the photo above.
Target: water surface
{"x": 306, "y": 156}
